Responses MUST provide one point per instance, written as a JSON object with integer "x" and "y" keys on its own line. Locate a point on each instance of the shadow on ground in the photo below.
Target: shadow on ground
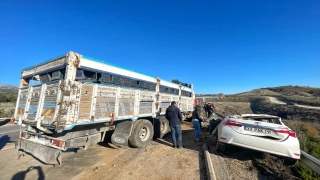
{"x": 4, "y": 122}
{"x": 4, "y": 140}
{"x": 22, "y": 174}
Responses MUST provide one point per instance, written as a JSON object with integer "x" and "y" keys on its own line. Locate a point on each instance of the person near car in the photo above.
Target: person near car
{"x": 196, "y": 121}
{"x": 209, "y": 110}
{"x": 212, "y": 109}
{"x": 173, "y": 114}
{"x": 205, "y": 107}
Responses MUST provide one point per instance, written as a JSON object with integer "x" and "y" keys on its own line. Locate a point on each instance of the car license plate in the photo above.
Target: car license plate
{"x": 254, "y": 129}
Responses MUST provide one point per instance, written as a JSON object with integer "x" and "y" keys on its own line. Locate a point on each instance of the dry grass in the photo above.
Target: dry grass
{"x": 226, "y": 108}
{"x": 6, "y": 109}
{"x": 313, "y": 131}
{"x": 7, "y": 106}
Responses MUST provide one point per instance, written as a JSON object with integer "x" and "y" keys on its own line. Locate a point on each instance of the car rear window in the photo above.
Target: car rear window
{"x": 263, "y": 119}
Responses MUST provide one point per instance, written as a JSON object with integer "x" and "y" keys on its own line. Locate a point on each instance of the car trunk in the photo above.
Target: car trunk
{"x": 260, "y": 128}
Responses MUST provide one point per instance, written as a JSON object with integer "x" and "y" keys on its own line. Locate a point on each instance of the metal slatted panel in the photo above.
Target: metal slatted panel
{"x": 126, "y": 102}
{"x": 22, "y": 103}
{"x": 34, "y": 102}
{"x": 105, "y": 102}
{"x": 49, "y": 106}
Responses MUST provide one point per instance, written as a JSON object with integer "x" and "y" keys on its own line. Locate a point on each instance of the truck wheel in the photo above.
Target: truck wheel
{"x": 141, "y": 133}
{"x": 161, "y": 127}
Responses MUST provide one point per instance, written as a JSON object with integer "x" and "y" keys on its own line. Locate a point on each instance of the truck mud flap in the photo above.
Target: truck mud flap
{"x": 121, "y": 134}
{"x": 45, "y": 154}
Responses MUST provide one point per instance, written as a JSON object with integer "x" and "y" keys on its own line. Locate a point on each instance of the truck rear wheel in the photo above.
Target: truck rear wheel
{"x": 161, "y": 127}
{"x": 141, "y": 133}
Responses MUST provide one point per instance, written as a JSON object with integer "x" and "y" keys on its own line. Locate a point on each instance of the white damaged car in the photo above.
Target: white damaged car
{"x": 259, "y": 132}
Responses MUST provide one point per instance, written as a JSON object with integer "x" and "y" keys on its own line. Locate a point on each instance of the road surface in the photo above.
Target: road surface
{"x": 277, "y": 101}
{"x": 8, "y": 134}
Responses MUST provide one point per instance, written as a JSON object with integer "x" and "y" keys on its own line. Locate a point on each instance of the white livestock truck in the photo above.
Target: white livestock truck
{"x": 72, "y": 101}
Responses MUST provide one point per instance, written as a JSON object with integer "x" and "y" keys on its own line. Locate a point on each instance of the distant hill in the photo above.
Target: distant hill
{"x": 303, "y": 91}
{"x": 8, "y": 88}
{"x": 303, "y": 95}
{"x": 200, "y": 95}
{"x": 8, "y": 93}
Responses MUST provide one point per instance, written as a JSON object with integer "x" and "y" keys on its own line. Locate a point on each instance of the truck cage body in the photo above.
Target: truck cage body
{"x": 72, "y": 101}
{"x": 77, "y": 90}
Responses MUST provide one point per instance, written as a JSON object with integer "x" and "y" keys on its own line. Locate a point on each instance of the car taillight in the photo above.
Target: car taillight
{"x": 232, "y": 123}
{"x": 286, "y": 131}
{"x": 292, "y": 134}
{"x": 57, "y": 142}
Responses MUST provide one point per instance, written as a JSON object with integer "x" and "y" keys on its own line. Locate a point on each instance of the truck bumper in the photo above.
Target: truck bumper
{"x": 45, "y": 154}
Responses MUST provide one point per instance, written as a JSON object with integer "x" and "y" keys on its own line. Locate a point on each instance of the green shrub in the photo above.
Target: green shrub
{"x": 8, "y": 96}
{"x": 305, "y": 172}
{"x": 308, "y": 135}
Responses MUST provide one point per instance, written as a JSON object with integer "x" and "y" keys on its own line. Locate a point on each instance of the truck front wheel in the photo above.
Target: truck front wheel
{"x": 141, "y": 133}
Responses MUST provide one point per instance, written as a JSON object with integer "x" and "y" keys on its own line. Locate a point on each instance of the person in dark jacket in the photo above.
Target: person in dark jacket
{"x": 173, "y": 114}
{"x": 205, "y": 107}
{"x": 209, "y": 110}
{"x": 196, "y": 121}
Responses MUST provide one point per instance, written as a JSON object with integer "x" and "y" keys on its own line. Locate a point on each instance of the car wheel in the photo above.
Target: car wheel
{"x": 221, "y": 147}
{"x": 289, "y": 161}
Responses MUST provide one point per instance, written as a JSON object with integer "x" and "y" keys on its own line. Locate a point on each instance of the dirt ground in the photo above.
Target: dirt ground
{"x": 158, "y": 160}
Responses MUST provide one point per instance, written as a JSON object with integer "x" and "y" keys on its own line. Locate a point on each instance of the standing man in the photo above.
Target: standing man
{"x": 205, "y": 107}
{"x": 209, "y": 110}
{"x": 196, "y": 121}
{"x": 173, "y": 114}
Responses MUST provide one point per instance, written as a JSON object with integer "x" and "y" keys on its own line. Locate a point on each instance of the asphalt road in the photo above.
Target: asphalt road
{"x": 8, "y": 133}
{"x": 277, "y": 101}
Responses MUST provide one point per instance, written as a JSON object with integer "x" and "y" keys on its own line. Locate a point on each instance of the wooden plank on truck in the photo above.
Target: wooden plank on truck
{"x": 85, "y": 102}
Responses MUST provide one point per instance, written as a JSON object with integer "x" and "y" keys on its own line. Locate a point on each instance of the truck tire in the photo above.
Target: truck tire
{"x": 161, "y": 127}
{"x": 141, "y": 134}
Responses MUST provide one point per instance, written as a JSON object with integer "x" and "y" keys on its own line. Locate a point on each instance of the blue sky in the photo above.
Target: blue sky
{"x": 219, "y": 46}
